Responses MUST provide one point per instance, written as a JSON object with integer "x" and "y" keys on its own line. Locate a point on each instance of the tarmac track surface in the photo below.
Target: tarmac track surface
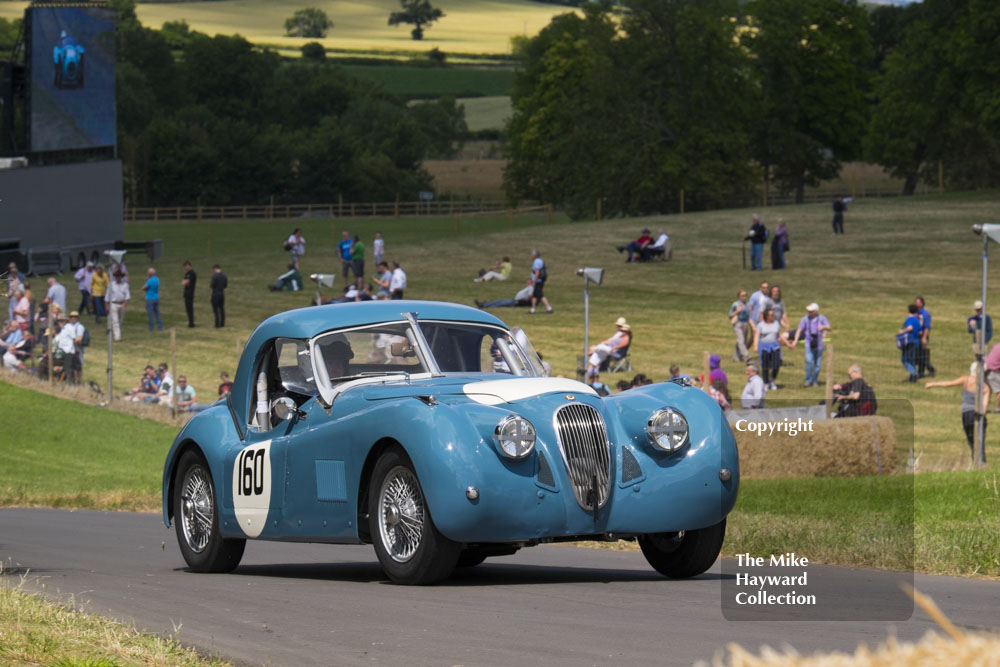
{"x": 310, "y": 604}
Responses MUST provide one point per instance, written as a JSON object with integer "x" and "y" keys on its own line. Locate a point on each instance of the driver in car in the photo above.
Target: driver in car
{"x": 337, "y": 356}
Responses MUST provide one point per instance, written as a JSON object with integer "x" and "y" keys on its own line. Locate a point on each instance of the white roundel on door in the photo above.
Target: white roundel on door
{"x": 252, "y": 487}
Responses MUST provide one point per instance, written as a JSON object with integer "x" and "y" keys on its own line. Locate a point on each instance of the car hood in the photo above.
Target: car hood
{"x": 483, "y": 391}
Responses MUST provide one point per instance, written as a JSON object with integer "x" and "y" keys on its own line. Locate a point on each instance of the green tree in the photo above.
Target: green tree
{"x": 418, "y": 13}
{"x": 938, "y": 103}
{"x": 809, "y": 60}
{"x": 9, "y": 31}
{"x": 313, "y": 51}
{"x": 631, "y": 110}
{"x": 308, "y": 22}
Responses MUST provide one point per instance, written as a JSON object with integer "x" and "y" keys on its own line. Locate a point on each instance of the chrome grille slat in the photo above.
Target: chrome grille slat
{"x": 583, "y": 442}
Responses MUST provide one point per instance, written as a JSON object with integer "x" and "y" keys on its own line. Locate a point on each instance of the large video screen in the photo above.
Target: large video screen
{"x": 72, "y": 77}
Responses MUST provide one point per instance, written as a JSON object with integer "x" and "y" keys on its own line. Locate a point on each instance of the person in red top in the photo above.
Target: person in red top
{"x": 636, "y": 247}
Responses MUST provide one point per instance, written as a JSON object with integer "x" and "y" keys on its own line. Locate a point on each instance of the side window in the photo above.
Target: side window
{"x": 284, "y": 370}
{"x": 294, "y": 367}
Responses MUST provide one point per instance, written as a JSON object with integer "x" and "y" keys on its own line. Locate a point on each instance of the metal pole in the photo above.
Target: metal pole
{"x": 980, "y": 357}
{"x": 586, "y": 323}
{"x": 108, "y": 398}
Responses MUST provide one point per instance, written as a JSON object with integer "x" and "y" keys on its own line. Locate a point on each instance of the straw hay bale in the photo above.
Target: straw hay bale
{"x": 933, "y": 649}
{"x": 834, "y": 448}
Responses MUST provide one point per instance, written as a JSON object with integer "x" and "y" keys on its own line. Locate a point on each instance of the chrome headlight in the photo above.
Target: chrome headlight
{"x": 667, "y": 429}
{"x": 515, "y": 436}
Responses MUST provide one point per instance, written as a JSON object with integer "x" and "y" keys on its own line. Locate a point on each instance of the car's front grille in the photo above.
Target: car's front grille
{"x": 583, "y": 441}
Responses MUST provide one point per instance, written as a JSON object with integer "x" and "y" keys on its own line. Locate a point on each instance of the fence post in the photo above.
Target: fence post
{"x": 49, "y": 350}
{"x": 173, "y": 369}
{"x": 706, "y": 366}
{"x": 395, "y": 209}
{"x": 548, "y": 208}
{"x": 270, "y": 209}
{"x": 598, "y": 209}
{"x": 682, "y": 201}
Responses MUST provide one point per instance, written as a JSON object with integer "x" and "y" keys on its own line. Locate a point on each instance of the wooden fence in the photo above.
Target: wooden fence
{"x": 337, "y": 210}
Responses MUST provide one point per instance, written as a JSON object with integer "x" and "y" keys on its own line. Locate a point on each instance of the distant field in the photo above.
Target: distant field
{"x": 410, "y": 82}
{"x": 469, "y": 26}
{"x": 486, "y": 113}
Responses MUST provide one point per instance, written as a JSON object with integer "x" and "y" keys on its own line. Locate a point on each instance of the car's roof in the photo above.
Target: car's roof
{"x": 308, "y": 322}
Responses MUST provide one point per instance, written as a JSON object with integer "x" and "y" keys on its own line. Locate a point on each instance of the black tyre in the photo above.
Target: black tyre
{"x": 687, "y": 554}
{"x": 196, "y": 519}
{"x": 409, "y": 547}
{"x": 470, "y": 558}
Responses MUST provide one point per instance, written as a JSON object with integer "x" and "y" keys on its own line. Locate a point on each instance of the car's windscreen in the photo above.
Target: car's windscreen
{"x": 477, "y": 348}
{"x": 455, "y": 347}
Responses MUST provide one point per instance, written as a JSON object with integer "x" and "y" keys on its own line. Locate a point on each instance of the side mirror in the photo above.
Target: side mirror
{"x": 284, "y": 408}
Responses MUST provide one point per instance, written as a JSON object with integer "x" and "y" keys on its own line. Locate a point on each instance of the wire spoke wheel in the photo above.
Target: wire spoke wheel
{"x": 402, "y": 514}
{"x": 197, "y": 508}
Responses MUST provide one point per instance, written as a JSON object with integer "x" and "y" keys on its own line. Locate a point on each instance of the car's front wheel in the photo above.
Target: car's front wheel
{"x": 409, "y": 547}
{"x": 196, "y": 519}
{"x": 685, "y": 554}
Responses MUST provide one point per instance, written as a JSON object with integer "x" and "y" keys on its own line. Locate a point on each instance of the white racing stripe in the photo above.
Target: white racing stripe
{"x": 494, "y": 392}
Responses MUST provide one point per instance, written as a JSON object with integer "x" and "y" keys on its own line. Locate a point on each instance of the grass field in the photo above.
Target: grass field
{"x": 409, "y": 82}
{"x": 893, "y": 250}
{"x": 469, "y": 26}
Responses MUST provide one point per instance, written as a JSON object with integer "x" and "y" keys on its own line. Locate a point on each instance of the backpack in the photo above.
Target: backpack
{"x": 85, "y": 340}
{"x": 543, "y": 274}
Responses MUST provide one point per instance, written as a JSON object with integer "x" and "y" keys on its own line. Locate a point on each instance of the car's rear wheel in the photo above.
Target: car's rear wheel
{"x": 686, "y": 554}
{"x": 408, "y": 545}
{"x": 471, "y": 558}
{"x": 196, "y": 519}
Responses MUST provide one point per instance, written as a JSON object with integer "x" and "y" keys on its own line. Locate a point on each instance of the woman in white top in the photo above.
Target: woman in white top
{"x": 767, "y": 341}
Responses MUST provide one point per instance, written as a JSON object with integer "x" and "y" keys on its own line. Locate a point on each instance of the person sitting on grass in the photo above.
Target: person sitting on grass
{"x": 289, "y": 280}
{"x": 500, "y": 271}
{"x": 148, "y": 387}
{"x": 636, "y": 249}
{"x": 186, "y": 398}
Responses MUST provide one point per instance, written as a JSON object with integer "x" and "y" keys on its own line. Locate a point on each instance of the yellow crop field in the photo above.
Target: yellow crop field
{"x": 469, "y": 26}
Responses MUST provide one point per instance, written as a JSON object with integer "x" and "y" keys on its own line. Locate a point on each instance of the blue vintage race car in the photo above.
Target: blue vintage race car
{"x": 67, "y": 57}
{"x": 428, "y": 430}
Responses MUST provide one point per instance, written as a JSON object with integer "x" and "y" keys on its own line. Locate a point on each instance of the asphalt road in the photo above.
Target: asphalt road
{"x": 302, "y": 604}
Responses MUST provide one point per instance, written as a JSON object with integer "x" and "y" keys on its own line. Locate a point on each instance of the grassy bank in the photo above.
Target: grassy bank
{"x": 61, "y": 453}
{"x": 36, "y": 632}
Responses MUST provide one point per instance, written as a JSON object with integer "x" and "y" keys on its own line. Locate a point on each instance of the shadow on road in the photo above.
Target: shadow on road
{"x": 488, "y": 574}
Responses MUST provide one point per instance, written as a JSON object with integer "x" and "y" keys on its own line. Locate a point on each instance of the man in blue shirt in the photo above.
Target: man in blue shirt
{"x": 346, "y": 249}
{"x": 909, "y": 338}
{"x": 924, "y": 365}
{"x": 976, "y": 323}
{"x": 152, "y": 290}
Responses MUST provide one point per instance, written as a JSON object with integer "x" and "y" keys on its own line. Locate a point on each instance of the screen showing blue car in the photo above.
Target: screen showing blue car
{"x": 72, "y": 78}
